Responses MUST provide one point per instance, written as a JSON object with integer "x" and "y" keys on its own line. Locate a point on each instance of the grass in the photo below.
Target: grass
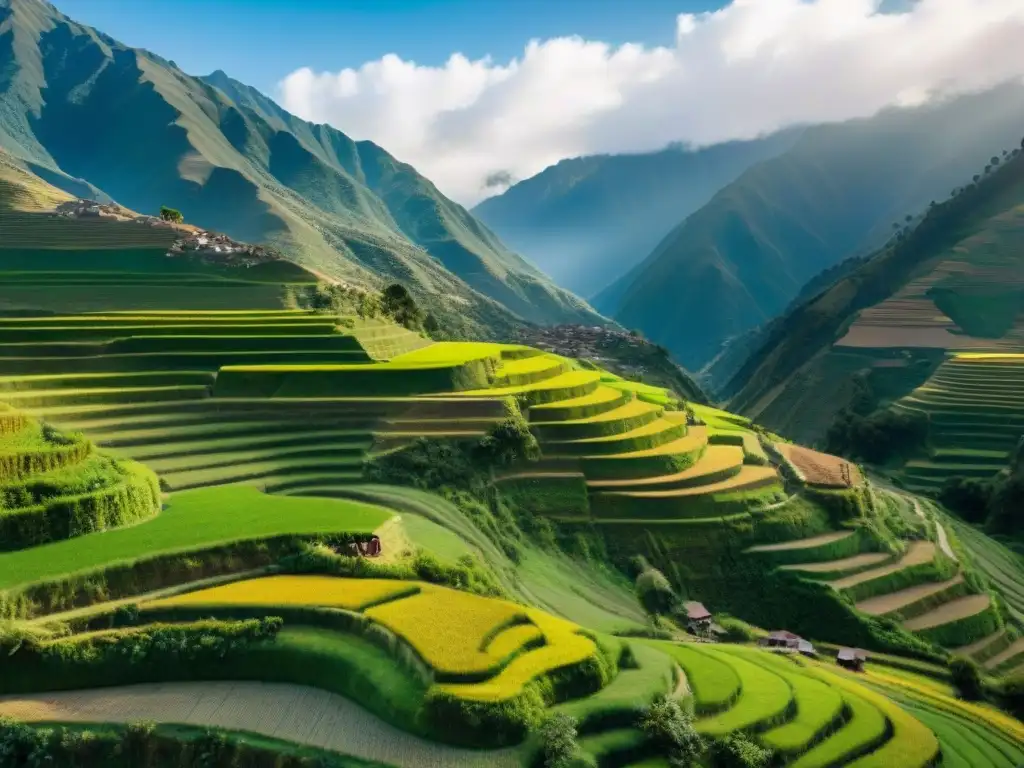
{"x": 193, "y": 520}
{"x": 912, "y": 744}
{"x": 714, "y": 682}
{"x": 765, "y": 696}
{"x": 866, "y": 728}
{"x": 629, "y": 692}
{"x": 818, "y": 705}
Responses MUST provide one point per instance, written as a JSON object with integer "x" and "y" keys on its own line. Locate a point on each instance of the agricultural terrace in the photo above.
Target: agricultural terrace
{"x": 921, "y": 587}
{"x": 799, "y": 708}
{"x": 975, "y": 408}
{"x": 55, "y": 486}
{"x": 820, "y": 470}
{"x": 192, "y": 522}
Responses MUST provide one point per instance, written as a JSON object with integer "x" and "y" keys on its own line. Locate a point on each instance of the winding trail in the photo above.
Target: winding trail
{"x": 291, "y": 712}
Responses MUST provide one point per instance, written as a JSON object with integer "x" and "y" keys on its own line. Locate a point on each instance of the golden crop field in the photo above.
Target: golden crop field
{"x": 326, "y": 591}
{"x": 564, "y": 646}
{"x": 448, "y": 628}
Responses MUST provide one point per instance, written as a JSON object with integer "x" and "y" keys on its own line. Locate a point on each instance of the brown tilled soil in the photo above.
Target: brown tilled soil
{"x": 955, "y": 609}
{"x": 917, "y": 553}
{"x": 876, "y": 606}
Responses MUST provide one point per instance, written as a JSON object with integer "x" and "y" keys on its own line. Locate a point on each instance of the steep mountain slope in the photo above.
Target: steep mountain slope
{"x": 953, "y": 283}
{"x": 73, "y": 101}
{"x": 589, "y": 220}
{"x": 738, "y": 262}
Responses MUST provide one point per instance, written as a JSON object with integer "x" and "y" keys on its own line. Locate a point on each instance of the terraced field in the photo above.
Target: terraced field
{"x": 801, "y": 709}
{"x": 975, "y": 407}
{"x": 226, "y": 405}
{"x": 921, "y": 587}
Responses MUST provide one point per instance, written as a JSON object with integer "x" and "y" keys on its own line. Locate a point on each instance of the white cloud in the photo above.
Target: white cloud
{"x": 752, "y": 67}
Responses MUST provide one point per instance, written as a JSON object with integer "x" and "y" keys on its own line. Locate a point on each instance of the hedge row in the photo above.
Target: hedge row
{"x": 940, "y": 568}
{"x": 335, "y": 381}
{"x": 964, "y": 631}
{"x": 555, "y": 495}
{"x": 17, "y": 465}
{"x": 133, "y": 497}
{"x": 122, "y": 580}
{"x": 123, "y": 657}
{"x": 147, "y": 746}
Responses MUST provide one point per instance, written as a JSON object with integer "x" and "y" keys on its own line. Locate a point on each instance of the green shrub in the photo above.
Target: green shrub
{"x": 558, "y": 741}
{"x": 670, "y": 728}
{"x": 966, "y": 678}
{"x": 466, "y": 574}
{"x": 483, "y": 723}
{"x": 737, "y": 751}
{"x": 655, "y": 592}
{"x": 736, "y": 630}
{"x": 133, "y": 495}
{"x": 123, "y": 656}
{"x": 144, "y": 745}
{"x": 969, "y": 497}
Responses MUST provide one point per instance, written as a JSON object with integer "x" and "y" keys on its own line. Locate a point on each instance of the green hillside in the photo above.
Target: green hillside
{"x": 74, "y": 103}
{"x": 929, "y": 326}
{"x": 515, "y": 495}
{"x": 587, "y": 221}
{"x": 737, "y": 262}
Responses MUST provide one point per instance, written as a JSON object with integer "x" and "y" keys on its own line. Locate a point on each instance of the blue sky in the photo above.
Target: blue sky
{"x": 262, "y": 41}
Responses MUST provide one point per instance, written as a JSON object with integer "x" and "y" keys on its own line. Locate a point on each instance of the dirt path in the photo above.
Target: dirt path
{"x": 290, "y": 712}
{"x": 944, "y": 541}
{"x": 682, "y": 689}
{"x": 813, "y": 541}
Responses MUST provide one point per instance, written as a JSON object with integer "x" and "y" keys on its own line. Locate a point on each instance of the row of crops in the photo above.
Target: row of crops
{"x": 975, "y": 408}
{"x": 921, "y": 585}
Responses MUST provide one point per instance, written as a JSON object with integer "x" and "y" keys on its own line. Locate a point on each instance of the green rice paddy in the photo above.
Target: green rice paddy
{"x": 191, "y": 521}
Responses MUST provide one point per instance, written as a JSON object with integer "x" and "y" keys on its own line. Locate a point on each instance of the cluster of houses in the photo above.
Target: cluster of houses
{"x": 700, "y": 622}
{"x": 222, "y": 248}
{"x": 588, "y": 342}
{"x": 90, "y": 209}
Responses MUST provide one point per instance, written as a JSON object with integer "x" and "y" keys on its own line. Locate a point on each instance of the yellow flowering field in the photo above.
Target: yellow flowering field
{"x": 326, "y": 591}
{"x": 563, "y": 647}
{"x": 449, "y": 628}
{"x": 510, "y": 640}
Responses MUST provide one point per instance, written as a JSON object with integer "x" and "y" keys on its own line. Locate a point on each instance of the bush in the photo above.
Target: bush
{"x": 655, "y": 592}
{"x": 124, "y": 656}
{"x": 876, "y": 438}
{"x": 966, "y": 678}
{"x": 670, "y": 728}
{"x": 967, "y": 496}
{"x": 737, "y": 751}
{"x": 558, "y": 739}
{"x": 171, "y": 214}
{"x": 398, "y": 304}
{"x": 736, "y": 630}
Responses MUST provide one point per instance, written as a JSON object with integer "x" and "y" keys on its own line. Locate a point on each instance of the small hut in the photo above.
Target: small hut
{"x": 783, "y": 640}
{"x": 852, "y": 659}
{"x": 698, "y": 618}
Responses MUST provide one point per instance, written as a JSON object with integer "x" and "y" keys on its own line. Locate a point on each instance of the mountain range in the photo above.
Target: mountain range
{"x": 753, "y": 221}
{"x": 100, "y": 119}
{"x": 587, "y": 221}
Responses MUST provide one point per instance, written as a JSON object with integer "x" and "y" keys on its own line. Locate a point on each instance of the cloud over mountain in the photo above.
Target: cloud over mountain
{"x": 752, "y": 67}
